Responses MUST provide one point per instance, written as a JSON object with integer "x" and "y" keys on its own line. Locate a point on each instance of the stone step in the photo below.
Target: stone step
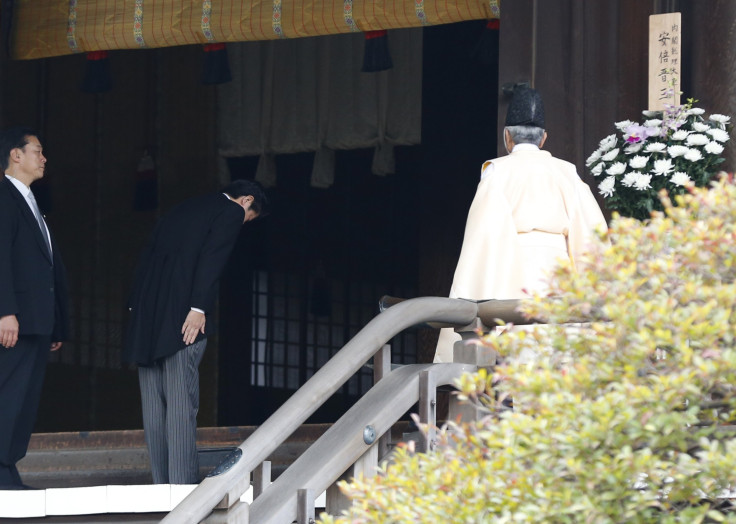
{"x": 104, "y": 476}
{"x": 100, "y": 458}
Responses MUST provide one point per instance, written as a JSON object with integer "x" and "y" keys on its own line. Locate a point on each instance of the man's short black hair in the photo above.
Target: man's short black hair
{"x": 239, "y": 188}
{"x": 13, "y": 138}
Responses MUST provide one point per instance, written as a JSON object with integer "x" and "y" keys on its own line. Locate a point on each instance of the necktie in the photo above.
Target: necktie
{"x": 39, "y": 218}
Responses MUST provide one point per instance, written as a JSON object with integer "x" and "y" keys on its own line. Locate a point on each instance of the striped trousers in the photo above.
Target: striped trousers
{"x": 170, "y": 401}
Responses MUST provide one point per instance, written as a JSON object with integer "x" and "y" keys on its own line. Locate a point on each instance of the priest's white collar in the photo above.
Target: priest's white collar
{"x": 524, "y": 147}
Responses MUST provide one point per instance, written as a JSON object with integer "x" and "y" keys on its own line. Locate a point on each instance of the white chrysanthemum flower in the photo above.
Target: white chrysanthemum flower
{"x": 655, "y": 147}
{"x": 676, "y": 151}
{"x": 662, "y": 167}
{"x": 595, "y": 157}
{"x": 714, "y": 148}
{"x": 607, "y": 143}
{"x": 639, "y": 161}
{"x": 613, "y": 153}
{"x": 700, "y": 127}
{"x": 621, "y": 126}
{"x": 720, "y": 119}
{"x": 632, "y": 149}
{"x": 679, "y": 178}
{"x": 680, "y": 134}
{"x": 695, "y": 111}
{"x": 643, "y": 182}
{"x": 651, "y": 114}
{"x": 718, "y": 134}
{"x": 654, "y": 122}
{"x": 694, "y": 155}
{"x": 607, "y": 186}
{"x": 597, "y": 169}
{"x": 630, "y": 178}
{"x": 616, "y": 168}
{"x": 697, "y": 139}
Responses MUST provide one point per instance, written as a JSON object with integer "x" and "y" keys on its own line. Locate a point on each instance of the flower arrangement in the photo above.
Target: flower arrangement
{"x": 671, "y": 150}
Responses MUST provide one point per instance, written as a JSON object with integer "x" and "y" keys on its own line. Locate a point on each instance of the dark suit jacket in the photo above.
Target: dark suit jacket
{"x": 179, "y": 269}
{"x": 31, "y": 286}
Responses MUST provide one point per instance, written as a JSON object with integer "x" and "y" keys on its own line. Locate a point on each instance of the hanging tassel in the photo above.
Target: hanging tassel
{"x": 97, "y": 73}
{"x": 376, "y": 56}
{"x": 323, "y": 168}
{"x": 384, "y": 159}
{"x": 145, "y": 197}
{"x": 266, "y": 170}
{"x": 215, "y": 69}
{"x": 486, "y": 50}
{"x": 6, "y": 24}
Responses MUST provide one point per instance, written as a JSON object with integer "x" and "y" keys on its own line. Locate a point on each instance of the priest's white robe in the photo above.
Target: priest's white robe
{"x": 530, "y": 210}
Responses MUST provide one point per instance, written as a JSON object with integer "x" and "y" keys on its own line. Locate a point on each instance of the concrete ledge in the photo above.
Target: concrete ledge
{"x": 100, "y": 500}
{"x": 153, "y": 498}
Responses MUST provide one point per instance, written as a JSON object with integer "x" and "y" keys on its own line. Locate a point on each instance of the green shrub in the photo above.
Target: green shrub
{"x": 623, "y": 419}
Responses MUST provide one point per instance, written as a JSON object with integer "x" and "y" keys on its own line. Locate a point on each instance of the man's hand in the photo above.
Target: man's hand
{"x": 193, "y": 324}
{"x": 8, "y": 331}
{"x": 55, "y": 345}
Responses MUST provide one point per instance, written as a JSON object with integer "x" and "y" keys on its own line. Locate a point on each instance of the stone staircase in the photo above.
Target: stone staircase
{"x": 98, "y": 458}
{"x": 104, "y": 476}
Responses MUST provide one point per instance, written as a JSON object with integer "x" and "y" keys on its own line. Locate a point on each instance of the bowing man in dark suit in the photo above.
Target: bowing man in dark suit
{"x": 174, "y": 293}
{"x": 33, "y": 297}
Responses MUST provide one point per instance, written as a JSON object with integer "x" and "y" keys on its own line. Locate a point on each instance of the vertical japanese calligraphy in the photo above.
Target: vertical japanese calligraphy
{"x": 665, "y": 51}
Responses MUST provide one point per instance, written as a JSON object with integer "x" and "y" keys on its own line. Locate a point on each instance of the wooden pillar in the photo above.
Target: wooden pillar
{"x": 709, "y": 72}
{"x": 587, "y": 58}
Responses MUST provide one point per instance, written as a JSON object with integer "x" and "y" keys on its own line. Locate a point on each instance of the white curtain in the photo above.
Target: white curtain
{"x": 308, "y": 94}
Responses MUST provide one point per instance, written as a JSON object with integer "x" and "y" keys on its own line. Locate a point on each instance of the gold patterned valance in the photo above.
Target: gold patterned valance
{"x": 44, "y": 28}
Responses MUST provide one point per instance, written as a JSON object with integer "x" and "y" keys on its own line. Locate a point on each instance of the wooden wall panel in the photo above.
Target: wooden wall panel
{"x": 589, "y": 60}
{"x": 710, "y": 75}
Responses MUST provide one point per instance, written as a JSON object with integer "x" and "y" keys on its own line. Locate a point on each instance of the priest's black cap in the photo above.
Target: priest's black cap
{"x": 526, "y": 108}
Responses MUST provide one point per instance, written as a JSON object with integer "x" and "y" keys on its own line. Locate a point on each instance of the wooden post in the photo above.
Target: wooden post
{"x": 478, "y": 355}
{"x": 381, "y": 369}
{"x": 427, "y": 410}
{"x": 335, "y": 501}
{"x": 239, "y": 513}
{"x": 261, "y": 478}
{"x": 305, "y": 506}
{"x": 665, "y": 52}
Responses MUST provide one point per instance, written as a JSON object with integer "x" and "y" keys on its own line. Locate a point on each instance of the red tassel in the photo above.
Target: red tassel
{"x": 219, "y": 46}
{"x": 486, "y": 50}
{"x": 145, "y": 197}
{"x": 376, "y": 56}
{"x": 215, "y": 68}
{"x": 375, "y": 34}
{"x": 97, "y": 77}
{"x": 97, "y": 55}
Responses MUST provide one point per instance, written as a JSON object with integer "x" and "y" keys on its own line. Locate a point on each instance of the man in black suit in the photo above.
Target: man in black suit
{"x": 33, "y": 297}
{"x": 174, "y": 293}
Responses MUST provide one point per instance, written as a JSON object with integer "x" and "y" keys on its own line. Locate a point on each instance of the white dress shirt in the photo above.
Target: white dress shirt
{"x": 26, "y": 192}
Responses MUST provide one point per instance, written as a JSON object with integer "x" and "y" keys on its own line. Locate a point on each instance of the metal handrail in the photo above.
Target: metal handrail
{"x": 229, "y": 485}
